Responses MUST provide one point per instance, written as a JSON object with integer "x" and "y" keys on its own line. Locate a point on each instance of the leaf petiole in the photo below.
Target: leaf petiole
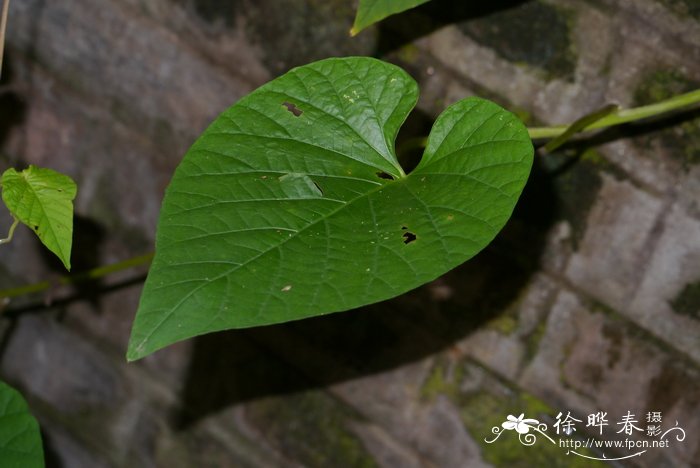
{"x": 11, "y": 233}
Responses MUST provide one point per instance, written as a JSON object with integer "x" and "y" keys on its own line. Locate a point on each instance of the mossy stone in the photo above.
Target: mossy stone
{"x": 683, "y": 138}
{"x": 312, "y": 428}
{"x": 483, "y": 411}
{"x": 289, "y": 33}
{"x": 534, "y": 33}
{"x": 442, "y": 382}
{"x": 505, "y": 324}
{"x": 688, "y": 301}
{"x": 683, "y": 8}
{"x": 216, "y": 10}
{"x": 296, "y": 32}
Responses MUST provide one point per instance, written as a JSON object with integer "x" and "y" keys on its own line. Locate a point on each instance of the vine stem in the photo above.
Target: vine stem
{"x": 623, "y": 116}
{"x": 3, "y": 27}
{"x": 95, "y": 273}
{"x": 617, "y": 117}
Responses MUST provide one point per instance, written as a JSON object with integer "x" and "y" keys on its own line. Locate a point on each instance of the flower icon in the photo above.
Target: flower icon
{"x": 522, "y": 426}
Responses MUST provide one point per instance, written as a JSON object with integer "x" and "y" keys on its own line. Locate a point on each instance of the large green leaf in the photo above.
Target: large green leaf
{"x": 293, "y": 204}
{"x": 371, "y": 11}
{"x": 20, "y": 440}
{"x": 43, "y": 200}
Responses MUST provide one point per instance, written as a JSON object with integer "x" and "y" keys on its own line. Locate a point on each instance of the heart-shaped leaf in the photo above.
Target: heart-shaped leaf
{"x": 20, "y": 439}
{"x": 293, "y": 204}
{"x": 371, "y": 11}
{"x": 43, "y": 200}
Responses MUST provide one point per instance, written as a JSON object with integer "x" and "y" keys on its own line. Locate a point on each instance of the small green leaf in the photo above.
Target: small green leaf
{"x": 275, "y": 216}
{"x": 371, "y": 11}
{"x": 43, "y": 200}
{"x": 20, "y": 439}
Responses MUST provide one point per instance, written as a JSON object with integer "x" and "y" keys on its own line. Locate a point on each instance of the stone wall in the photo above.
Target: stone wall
{"x": 588, "y": 301}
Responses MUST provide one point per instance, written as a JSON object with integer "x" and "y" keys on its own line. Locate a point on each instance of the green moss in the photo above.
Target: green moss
{"x": 436, "y": 384}
{"x": 662, "y": 84}
{"x": 683, "y": 8}
{"x": 533, "y": 341}
{"x": 312, "y": 428}
{"x": 441, "y": 381}
{"x": 688, "y": 301}
{"x": 504, "y": 324}
{"x": 682, "y": 140}
{"x": 483, "y": 411}
{"x": 408, "y": 54}
{"x": 535, "y": 405}
{"x": 547, "y": 29}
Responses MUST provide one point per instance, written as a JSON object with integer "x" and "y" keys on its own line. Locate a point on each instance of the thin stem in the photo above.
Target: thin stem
{"x": 624, "y": 116}
{"x": 3, "y": 27}
{"x": 578, "y": 126}
{"x": 95, "y": 273}
{"x": 11, "y": 233}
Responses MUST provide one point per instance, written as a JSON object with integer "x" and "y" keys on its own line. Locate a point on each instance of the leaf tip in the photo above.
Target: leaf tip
{"x": 134, "y": 353}
{"x": 354, "y": 31}
{"x": 137, "y": 347}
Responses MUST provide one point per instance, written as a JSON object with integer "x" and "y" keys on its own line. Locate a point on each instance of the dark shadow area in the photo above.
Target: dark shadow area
{"x": 13, "y": 110}
{"x": 51, "y": 457}
{"x": 7, "y": 334}
{"x": 13, "y": 107}
{"x": 88, "y": 237}
{"x": 404, "y": 28}
{"x": 56, "y": 299}
{"x": 409, "y": 142}
{"x": 240, "y": 365}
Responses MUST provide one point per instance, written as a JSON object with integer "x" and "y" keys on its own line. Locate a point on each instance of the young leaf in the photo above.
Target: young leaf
{"x": 43, "y": 200}
{"x": 276, "y": 215}
{"x": 371, "y": 11}
{"x": 20, "y": 439}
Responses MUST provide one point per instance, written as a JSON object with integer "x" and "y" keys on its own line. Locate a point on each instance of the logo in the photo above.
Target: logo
{"x": 629, "y": 435}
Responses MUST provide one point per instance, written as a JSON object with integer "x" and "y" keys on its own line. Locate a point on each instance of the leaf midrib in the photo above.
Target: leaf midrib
{"x": 48, "y": 225}
{"x": 173, "y": 309}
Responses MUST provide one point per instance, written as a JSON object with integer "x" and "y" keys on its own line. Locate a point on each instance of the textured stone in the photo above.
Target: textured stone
{"x": 60, "y": 449}
{"x": 136, "y": 76}
{"x": 57, "y": 367}
{"x": 689, "y": 192}
{"x": 674, "y": 265}
{"x": 590, "y": 361}
{"x": 616, "y": 247}
{"x": 502, "y": 344}
{"x": 222, "y": 440}
{"x": 385, "y": 450}
{"x": 504, "y": 30}
{"x": 458, "y": 52}
{"x": 433, "y": 429}
{"x": 310, "y": 427}
{"x": 542, "y": 375}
